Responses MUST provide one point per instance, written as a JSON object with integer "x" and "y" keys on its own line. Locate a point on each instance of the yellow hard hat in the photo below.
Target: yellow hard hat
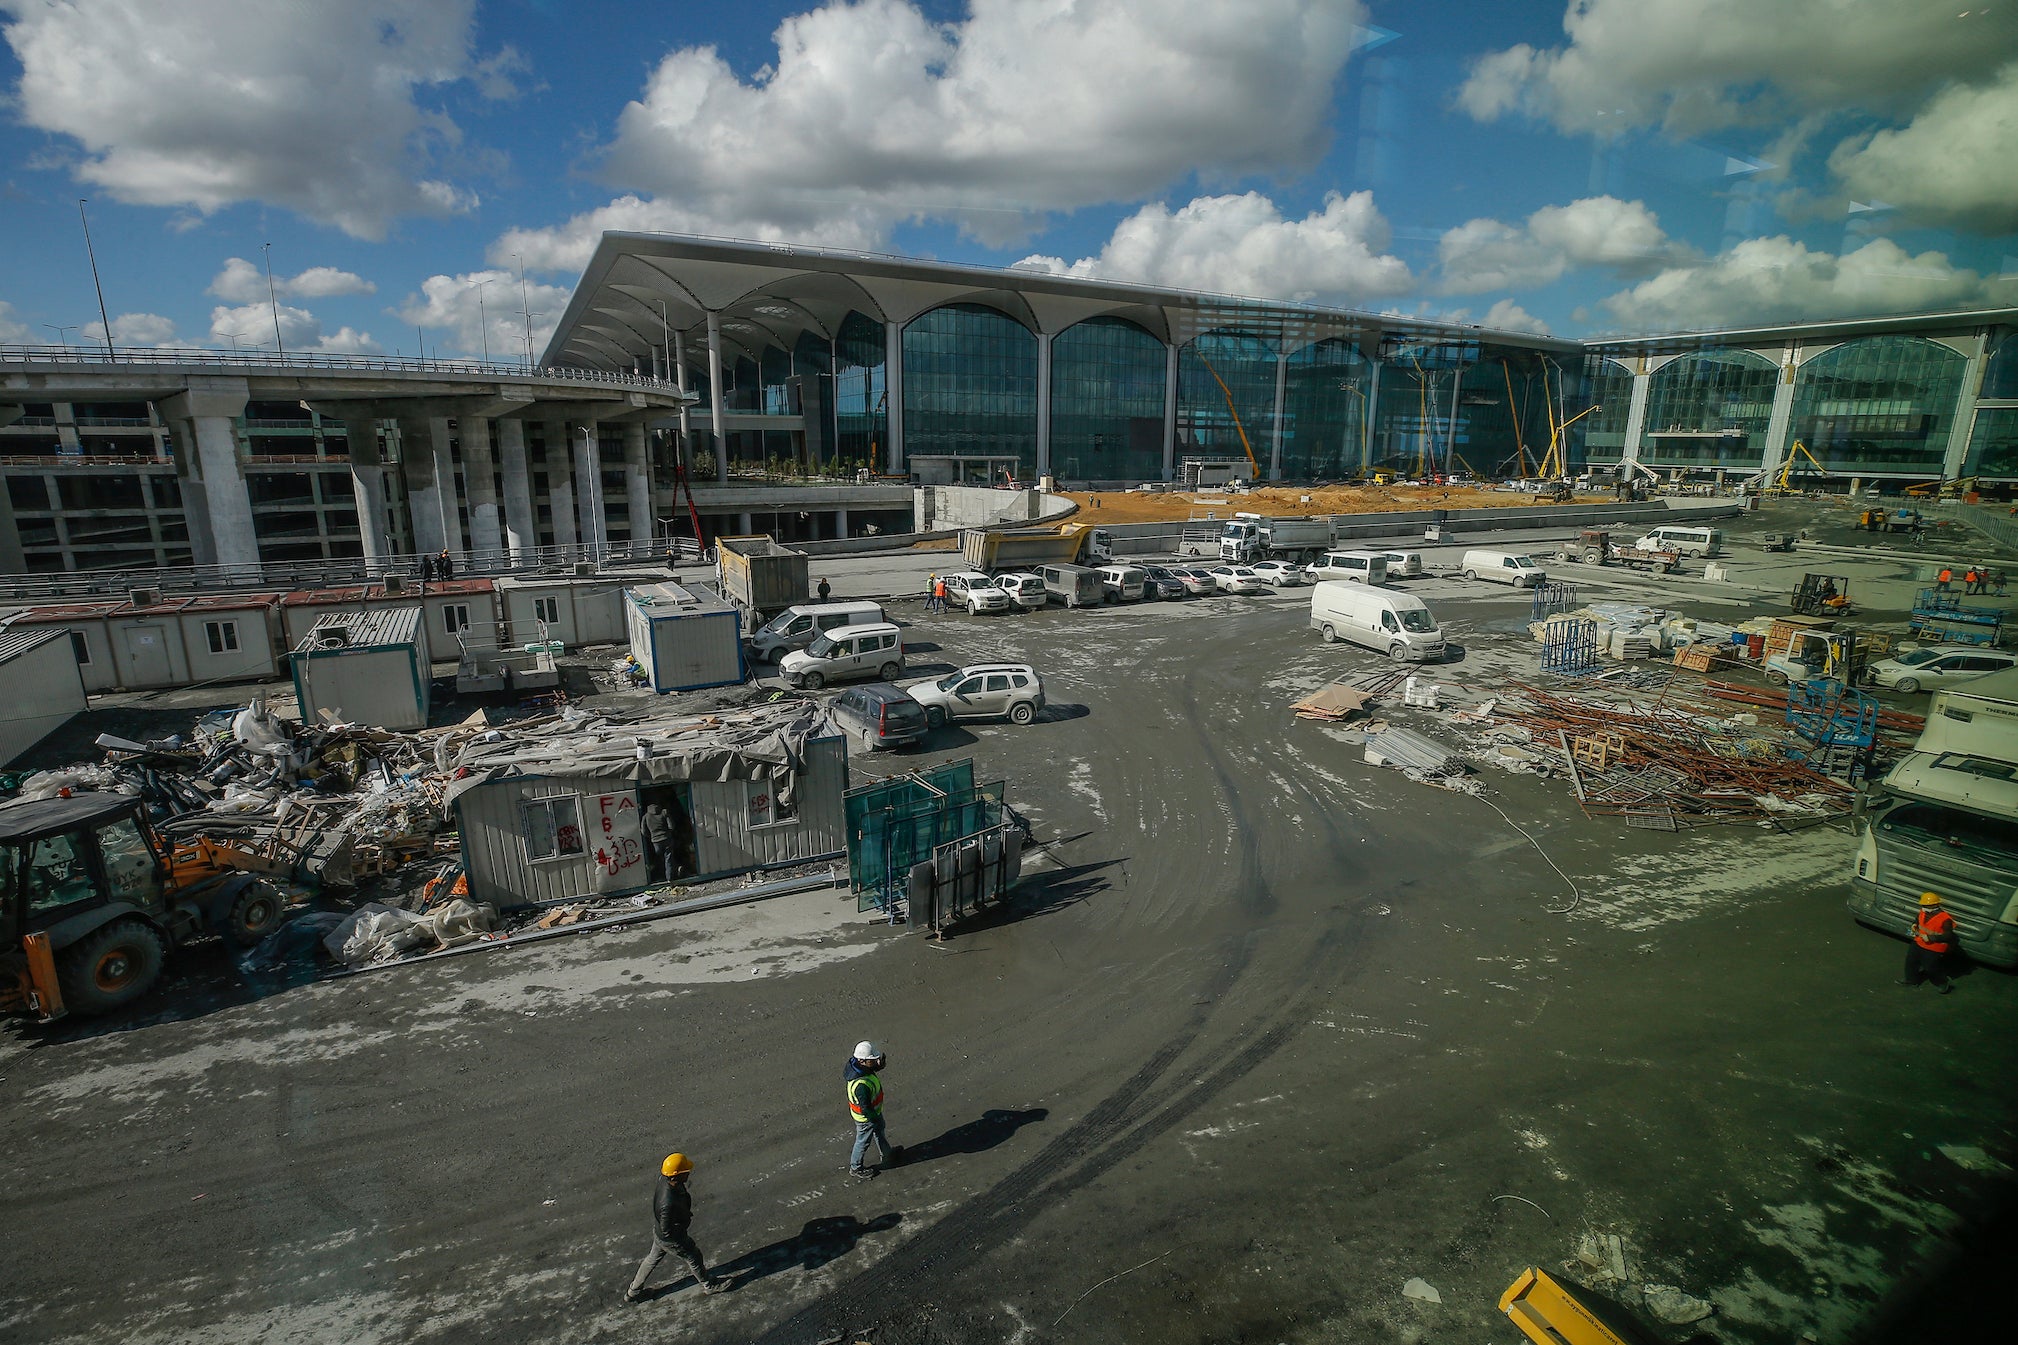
{"x": 675, "y": 1164}
{"x": 1930, "y": 898}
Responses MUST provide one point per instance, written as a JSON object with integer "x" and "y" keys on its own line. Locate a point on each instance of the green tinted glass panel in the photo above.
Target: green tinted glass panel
{"x": 1885, "y": 403}
{"x": 1107, "y": 380}
{"x": 1709, "y": 409}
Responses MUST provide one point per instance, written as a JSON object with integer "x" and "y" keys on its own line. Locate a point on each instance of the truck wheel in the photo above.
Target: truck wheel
{"x": 888, "y": 672}
{"x": 1330, "y": 635}
{"x": 1022, "y": 712}
{"x": 254, "y": 915}
{"x": 1398, "y": 652}
{"x": 1906, "y": 686}
{"x": 1471, "y": 574}
{"x": 110, "y": 967}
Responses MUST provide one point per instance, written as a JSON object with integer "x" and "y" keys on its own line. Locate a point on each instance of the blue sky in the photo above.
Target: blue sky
{"x": 1612, "y": 165}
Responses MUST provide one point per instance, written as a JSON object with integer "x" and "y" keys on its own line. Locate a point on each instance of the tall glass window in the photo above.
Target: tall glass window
{"x": 1107, "y": 379}
{"x": 1607, "y": 386}
{"x": 861, "y": 410}
{"x": 774, "y": 368}
{"x": 1505, "y": 405}
{"x": 1885, "y": 404}
{"x": 970, "y": 385}
{"x": 1324, "y": 411}
{"x": 1709, "y": 409}
{"x": 1993, "y": 444}
{"x": 1226, "y": 398}
{"x": 2000, "y": 369}
{"x": 1412, "y": 429}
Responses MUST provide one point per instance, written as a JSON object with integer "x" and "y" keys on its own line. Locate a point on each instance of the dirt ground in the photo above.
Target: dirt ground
{"x": 1267, "y": 1034}
{"x": 1157, "y": 506}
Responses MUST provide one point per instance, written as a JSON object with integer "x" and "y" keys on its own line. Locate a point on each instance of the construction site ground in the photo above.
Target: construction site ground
{"x": 1135, "y": 506}
{"x": 1267, "y": 1034}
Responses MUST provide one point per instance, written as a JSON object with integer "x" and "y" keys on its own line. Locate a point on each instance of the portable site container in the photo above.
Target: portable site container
{"x": 569, "y": 611}
{"x": 761, "y": 573}
{"x": 556, "y": 817}
{"x": 45, "y": 688}
{"x": 368, "y": 667}
{"x": 450, "y": 607}
{"x": 682, "y": 639}
{"x": 90, "y": 641}
{"x": 137, "y": 646}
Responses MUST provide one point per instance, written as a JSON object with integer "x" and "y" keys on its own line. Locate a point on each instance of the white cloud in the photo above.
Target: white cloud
{"x": 474, "y": 315}
{"x": 297, "y": 103}
{"x": 1243, "y": 245}
{"x": 1771, "y": 280}
{"x": 1508, "y": 316}
{"x": 1486, "y": 254}
{"x": 1694, "y": 64}
{"x": 241, "y": 282}
{"x": 137, "y": 329}
{"x": 300, "y": 330}
{"x": 1954, "y": 163}
{"x": 11, "y": 329}
{"x": 871, "y": 114}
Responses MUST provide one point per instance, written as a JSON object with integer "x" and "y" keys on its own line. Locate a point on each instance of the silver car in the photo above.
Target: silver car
{"x": 1238, "y": 579}
{"x": 1011, "y": 691}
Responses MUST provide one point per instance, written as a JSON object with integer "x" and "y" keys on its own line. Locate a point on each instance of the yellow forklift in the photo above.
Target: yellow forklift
{"x": 92, "y": 898}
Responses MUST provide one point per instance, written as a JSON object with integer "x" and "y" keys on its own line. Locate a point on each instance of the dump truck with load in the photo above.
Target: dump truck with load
{"x": 1251, "y": 537}
{"x": 1029, "y": 549}
{"x": 1595, "y": 547}
{"x": 761, "y": 573}
{"x": 1945, "y": 820}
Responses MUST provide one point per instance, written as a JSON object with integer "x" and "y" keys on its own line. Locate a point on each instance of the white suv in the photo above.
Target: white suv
{"x": 977, "y": 592}
{"x": 984, "y": 691}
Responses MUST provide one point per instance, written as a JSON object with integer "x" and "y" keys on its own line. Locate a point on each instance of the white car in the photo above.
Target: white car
{"x": 1279, "y": 573}
{"x": 1238, "y": 579}
{"x": 1921, "y": 669}
{"x": 1026, "y": 590}
{"x": 1011, "y": 691}
{"x": 1194, "y": 579}
{"x": 977, "y": 592}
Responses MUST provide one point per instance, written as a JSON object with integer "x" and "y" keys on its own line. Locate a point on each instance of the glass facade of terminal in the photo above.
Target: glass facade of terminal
{"x": 1324, "y": 424}
{"x": 1608, "y": 387}
{"x": 1226, "y": 398}
{"x": 861, "y": 407}
{"x": 1107, "y": 381}
{"x": 1884, "y": 403}
{"x": 970, "y": 385}
{"x": 1709, "y": 409}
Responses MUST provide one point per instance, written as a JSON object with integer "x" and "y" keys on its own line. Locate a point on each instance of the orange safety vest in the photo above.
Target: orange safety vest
{"x": 1947, "y": 575}
{"x": 939, "y": 589}
{"x": 863, "y": 1106}
{"x": 1934, "y": 930}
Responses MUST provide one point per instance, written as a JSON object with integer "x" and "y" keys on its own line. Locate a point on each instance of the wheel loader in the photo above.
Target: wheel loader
{"x": 92, "y": 898}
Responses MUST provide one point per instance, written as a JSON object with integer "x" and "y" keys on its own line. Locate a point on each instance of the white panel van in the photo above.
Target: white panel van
{"x": 1399, "y": 625}
{"x": 1687, "y": 540}
{"x": 1504, "y": 567}
{"x": 1365, "y": 567}
{"x": 795, "y": 627}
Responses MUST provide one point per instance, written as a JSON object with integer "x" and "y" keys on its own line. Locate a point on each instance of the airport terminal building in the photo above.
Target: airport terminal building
{"x": 802, "y": 389}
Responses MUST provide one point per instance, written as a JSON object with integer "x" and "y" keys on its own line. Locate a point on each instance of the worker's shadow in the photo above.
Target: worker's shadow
{"x": 819, "y": 1242}
{"x": 983, "y": 1133}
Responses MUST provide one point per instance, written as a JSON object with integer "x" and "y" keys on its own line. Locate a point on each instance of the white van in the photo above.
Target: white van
{"x": 1364, "y": 567}
{"x": 1504, "y": 567}
{"x": 1689, "y": 541}
{"x": 1397, "y": 624}
{"x": 1123, "y": 583}
{"x": 1404, "y": 564}
{"x": 845, "y": 653}
{"x": 795, "y": 627}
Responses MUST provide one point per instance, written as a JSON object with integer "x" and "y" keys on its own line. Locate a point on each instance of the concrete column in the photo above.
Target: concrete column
{"x": 893, "y": 392}
{"x": 1043, "y": 404}
{"x": 1275, "y": 428}
{"x": 1636, "y": 413}
{"x": 423, "y": 484}
{"x": 715, "y": 395}
{"x": 67, "y": 442}
{"x": 745, "y": 526}
{"x": 684, "y": 454}
{"x": 444, "y": 478}
{"x": 560, "y": 482}
{"x": 367, "y": 483}
{"x": 521, "y": 524}
{"x": 218, "y": 510}
{"x": 1780, "y": 423}
{"x": 1963, "y": 422}
{"x": 594, "y": 530}
{"x": 479, "y": 485}
{"x": 1170, "y": 411}
{"x": 638, "y": 486}
{"x": 840, "y": 523}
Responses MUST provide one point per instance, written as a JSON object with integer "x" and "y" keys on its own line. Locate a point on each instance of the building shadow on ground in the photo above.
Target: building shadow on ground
{"x": 991, "y": 1128}
{"x": 821, "y": 1241}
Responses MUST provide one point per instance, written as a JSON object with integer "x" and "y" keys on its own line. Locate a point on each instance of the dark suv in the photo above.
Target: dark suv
{"x": 883, "y": 714}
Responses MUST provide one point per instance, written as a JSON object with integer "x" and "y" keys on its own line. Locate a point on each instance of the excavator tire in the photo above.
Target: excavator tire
{"x": 256, "y": 914}
{"x": 110, "y": 967}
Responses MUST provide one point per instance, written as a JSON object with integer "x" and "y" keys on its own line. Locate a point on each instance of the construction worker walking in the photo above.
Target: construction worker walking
{"x": 1943, "y": 579}
{"x": 1929, "y": 956}
{"x": 863, "y": 1077}
{"x": 672, "y": 1211}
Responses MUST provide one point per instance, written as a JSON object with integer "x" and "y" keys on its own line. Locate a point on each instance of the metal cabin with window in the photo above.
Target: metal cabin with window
{"x": 607, "y": 807}
{"x": 683, "y": 639}
{"x": 152, "y": 641}
{"x": 44, "y": 688}
{"x": 365, "y": 668}
{"x": 568, "y": 610}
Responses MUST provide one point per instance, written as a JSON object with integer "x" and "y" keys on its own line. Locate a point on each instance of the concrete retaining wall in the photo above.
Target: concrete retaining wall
{"x": 943, "y": 508}
{"x": 1136, "y": 539}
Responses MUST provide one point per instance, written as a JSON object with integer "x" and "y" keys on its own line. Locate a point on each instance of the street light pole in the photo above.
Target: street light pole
{"x": 61, "y": 339}
{"x": 273, "y": 300}
{"x": 233, "y": 337}
{"x": 482, "y": 321}
{"x": 525, "y": 307}
{"x": 105, "y": 323}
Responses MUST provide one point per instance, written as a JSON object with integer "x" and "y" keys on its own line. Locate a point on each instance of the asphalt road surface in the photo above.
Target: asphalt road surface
{"x": 1268, "y": 1034}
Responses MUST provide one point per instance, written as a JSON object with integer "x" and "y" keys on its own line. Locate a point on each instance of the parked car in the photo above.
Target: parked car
{"x": 1011, "y": 691}
{"x": 1403, "y": 564}
{"x": 1280, "y": 573}
{"x": 977, "y": 592}
{"x": 1921, "y": 669}
{"x": 1162, "y": 583}
{"x": 1238, "y": 579}
{"x": 846, "y": 654}
{"x": 1123, "y": 583}
{"x": 1194, "y": 579}
{"x": 884, "y": 715}
{"x": 1025, "y": 590}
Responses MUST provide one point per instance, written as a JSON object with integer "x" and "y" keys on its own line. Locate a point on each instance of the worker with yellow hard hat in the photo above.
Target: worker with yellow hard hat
{"x": 672, "y": 1212}
{"x": 1929, "y": 955}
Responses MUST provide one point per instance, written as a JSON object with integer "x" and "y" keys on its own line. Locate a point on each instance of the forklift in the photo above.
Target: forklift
{"x": 1821, "y": 595}
{"x": 92, "y": 898}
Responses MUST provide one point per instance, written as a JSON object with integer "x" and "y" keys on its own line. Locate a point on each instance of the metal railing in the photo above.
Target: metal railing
{"x": 259, "y": 361}
{"x": 1992, "y": 520}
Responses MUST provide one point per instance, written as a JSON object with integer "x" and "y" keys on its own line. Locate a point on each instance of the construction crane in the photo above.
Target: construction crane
{"x": 1238, "y": 428}
{"x": 1797, "y": 450}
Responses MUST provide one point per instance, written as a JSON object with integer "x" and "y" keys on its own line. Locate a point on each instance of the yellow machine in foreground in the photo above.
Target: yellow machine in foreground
{"x": 1549, "y": 1313}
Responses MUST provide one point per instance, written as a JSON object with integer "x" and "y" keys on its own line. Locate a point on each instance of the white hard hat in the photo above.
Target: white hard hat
{"x": 866, "y": 1050}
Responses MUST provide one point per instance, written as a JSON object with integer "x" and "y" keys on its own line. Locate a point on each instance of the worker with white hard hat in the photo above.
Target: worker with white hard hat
{"x": 672, "y": 1212}
{"x": 863, "y": 1076}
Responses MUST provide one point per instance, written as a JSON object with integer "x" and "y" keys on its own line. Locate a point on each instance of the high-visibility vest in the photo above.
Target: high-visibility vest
{"x": 867, "y": 1104}
{"x": 1947, "y": 575}
{"x": 1933, "y": 929}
